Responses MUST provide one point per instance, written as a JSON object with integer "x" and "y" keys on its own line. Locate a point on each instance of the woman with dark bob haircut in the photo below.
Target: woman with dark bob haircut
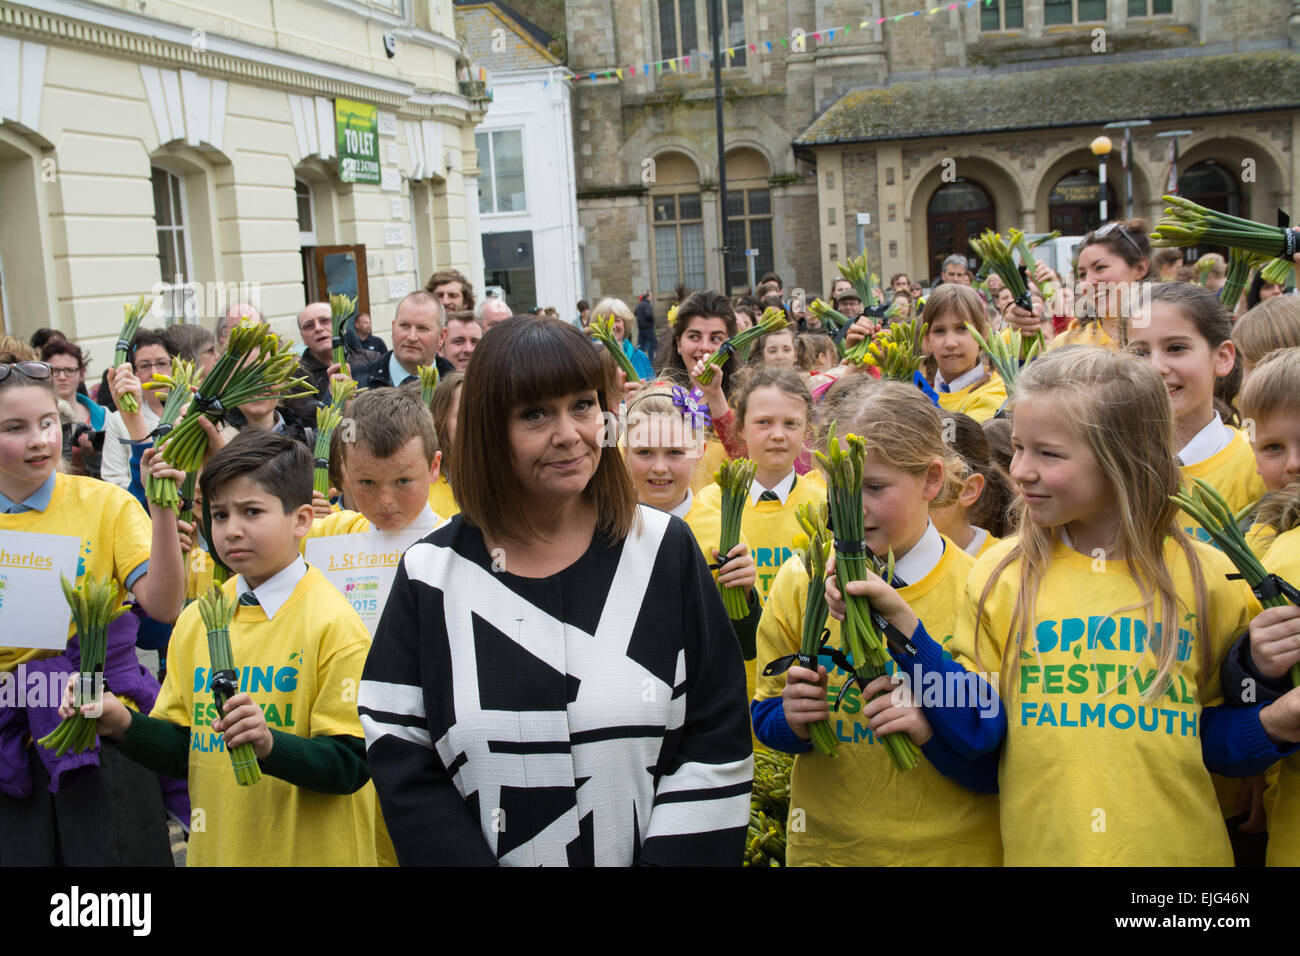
{"x": 554, "y": 680}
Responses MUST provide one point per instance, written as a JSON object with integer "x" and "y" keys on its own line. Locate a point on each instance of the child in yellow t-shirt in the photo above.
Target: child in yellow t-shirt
{"x": 979, "y": 517}
{"x": 957, "y": 368}
{"x": 446, "y": 410}
{"x": 1184, "y": 335}
{"x": 1274, "y": 655}
{"x": 664, "y": 440}
{"x": 1110, "y": 686}
{"x": 299, "y": 651}
{"x": 1270, "y": 407}
{"x": 390, "y": 459}
{"x": 1270, "y": 404}
{"x": 774, "y": 416}
{"x": 140, "y": 552}
{"x": 917, "y": 817}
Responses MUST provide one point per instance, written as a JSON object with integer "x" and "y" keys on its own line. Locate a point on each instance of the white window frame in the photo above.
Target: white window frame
{"x": 1074, "y": 14}
{"x": 684, "y": 47}
{"x": 1002, "y": 17}
{"x": 186, "y": 309}
{"x": 307, "y": 238}
{"x": 1149, "y": 14}
{"x": 741, "y": 59}
{"x": 490, "y": 170}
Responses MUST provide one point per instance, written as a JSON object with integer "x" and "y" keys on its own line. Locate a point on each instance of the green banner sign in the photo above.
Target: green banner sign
{"x": 357, "y": 128}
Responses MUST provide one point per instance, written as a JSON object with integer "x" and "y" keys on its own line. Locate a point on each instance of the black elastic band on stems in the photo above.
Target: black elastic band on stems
{"x": 225, "y": 684}
{"x": 337, "y": 341}
{"x": 322, "y": 463}
{"x": 1291, "y": 239}
{"x": 727, "y": 347}
{"x": 850, "y": 548}
{"x": 209, "y": 404}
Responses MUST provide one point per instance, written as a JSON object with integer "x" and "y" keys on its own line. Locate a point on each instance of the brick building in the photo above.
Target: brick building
{"x": 935, "y": 125}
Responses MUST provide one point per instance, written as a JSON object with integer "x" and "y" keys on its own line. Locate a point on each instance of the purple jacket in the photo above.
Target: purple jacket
{"x": 123, "y": 674}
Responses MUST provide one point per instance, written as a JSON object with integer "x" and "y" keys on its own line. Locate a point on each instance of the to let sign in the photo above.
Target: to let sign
{"x": 357, "y": 129}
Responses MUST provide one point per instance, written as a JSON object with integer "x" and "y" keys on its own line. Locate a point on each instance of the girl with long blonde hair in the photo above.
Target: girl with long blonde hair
{"x": 1102, "y": 624}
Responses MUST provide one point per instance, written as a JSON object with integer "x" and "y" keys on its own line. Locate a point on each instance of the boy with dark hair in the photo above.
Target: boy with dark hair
{"x": 299, "y": 648}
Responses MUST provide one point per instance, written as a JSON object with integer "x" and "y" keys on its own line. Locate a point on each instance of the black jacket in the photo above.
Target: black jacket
{"x": 302, "y": 411}
{"x": 376, "y": 374}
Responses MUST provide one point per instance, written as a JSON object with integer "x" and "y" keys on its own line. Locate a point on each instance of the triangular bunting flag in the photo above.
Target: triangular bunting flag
{"x": 672, "y": 65}
{"x": 619, "y": 71}
{"x": 817, "y": 36}
{"x": 754, "y": 49}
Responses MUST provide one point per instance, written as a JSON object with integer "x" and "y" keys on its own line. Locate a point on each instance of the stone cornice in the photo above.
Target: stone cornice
{"x": 117, "y": 33}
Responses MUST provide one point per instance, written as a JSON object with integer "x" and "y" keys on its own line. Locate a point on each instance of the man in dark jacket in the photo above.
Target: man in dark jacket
{"x": 358, "y": 337}
{"x": 317, "y": 331}
{"x": 417, "y": 327}
{"x": 645, "y": 325}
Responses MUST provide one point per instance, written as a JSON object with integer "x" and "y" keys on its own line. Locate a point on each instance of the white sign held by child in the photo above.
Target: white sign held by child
{"x": 33, "y": 610}
{"x": 362, "y": 566}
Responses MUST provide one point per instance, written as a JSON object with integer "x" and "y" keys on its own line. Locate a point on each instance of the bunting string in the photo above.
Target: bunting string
{"x": 759, "y": 48}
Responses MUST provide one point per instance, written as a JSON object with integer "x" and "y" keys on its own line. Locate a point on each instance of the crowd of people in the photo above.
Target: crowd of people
{"x": 555, "y": 679}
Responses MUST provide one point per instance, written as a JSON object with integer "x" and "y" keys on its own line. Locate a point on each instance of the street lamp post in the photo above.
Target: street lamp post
{"x": 1101, "y": 147}
{"x": 1127, "y": 155}
{"x": 1174, "y": 135}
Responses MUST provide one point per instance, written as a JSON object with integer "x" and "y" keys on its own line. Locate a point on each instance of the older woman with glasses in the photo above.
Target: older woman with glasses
{"x": 554, "y": 680}
{"x": 68, "y": 370}
{"x": 149, "y": 354}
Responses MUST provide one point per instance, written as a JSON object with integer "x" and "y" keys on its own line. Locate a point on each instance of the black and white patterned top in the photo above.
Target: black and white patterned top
{"x": 595, "y": 717}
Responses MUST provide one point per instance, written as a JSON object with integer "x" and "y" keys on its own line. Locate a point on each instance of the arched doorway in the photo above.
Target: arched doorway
{"x": 1073, "y": 206}
{"x": 957, "y": 211}
{"x": 1212, "y": 185}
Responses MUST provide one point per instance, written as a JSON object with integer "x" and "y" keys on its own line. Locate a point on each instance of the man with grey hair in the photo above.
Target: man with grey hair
{"x": 492, "y": 310}
{"x": 234, "y": 314}
{"x": 956, "y": 270}
{"x": 417, "y": 328}
{"x": 317, "y": 362}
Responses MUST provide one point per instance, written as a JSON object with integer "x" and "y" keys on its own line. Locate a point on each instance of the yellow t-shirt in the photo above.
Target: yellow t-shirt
{"x": 705, "y": 522}
{"x": 989, "y": 541}
{"x": 1076, "y": 333}
{"x": 1090, "y": 778}
{"x": 980, "y": 401}
{"x": 916, "y": 818}
{"x": 712, "y": 458}
{"x": 441, "y": 498}
{"x": 1233, "y": 475}
{"x": 115, "y": 534}
{"x": 769, "y": 526}
{"x": 1283, "y": 559}
{"x": 1260, "y": 538}
{"x": 200, "y": 569}
{"x": 302, "y": 669}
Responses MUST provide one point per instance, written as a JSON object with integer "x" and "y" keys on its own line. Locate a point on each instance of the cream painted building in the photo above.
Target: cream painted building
{"x": 141, "y": 142}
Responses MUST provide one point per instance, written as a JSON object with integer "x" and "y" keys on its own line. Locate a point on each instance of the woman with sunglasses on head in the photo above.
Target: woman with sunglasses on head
{"x": 93, "y": 808}
{"x": 1113, "y": 264}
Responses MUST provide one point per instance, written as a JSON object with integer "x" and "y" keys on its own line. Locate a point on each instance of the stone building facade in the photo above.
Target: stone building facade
{"x": 197, "y": 140}
{"x": 934, "y": 126}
